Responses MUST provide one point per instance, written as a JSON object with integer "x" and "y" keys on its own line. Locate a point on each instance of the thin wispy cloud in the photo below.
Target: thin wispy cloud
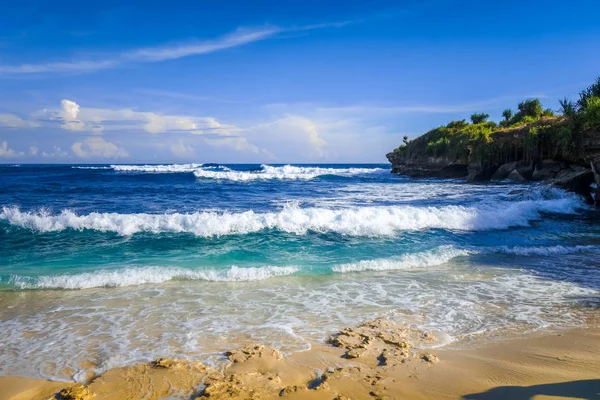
{"x": 432, "y": 108}
{"x": 69, "y": 66}
{"x": 239, "y": 37}
{"x": 170, "y": 52}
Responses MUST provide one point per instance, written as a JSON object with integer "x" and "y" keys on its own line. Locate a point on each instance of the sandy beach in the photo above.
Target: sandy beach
{"x": 374, "y": 360}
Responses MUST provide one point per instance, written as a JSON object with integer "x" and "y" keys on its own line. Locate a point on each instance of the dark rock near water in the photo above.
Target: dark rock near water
{"x": 578, "y": 182}
{"x": 504, "y": 171}
{"x": 516, "y": 176}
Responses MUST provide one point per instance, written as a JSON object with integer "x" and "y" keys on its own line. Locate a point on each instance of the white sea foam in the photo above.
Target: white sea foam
{"x": 287, "y": 172}
{"x": 356, "y": 221}
{"x": 545, "y": 250}
{"x": 145, "y": 275}
{"x": 431, "y": 258}
{"x": 82, "y": 167}
{"x": 170, "y": 168}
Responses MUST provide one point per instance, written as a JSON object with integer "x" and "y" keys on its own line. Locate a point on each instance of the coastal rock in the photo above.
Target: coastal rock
{"x": 249, "y": 351}
{"x": 76, "y": 392}
{"x": 504, "y": 170}
{"x": 547, "y": 169}
{"x": 516, "y": 176}
{"x": 430, "y": 358}
{"x": 379, "y": 340}
{"x": 394, "y": 356}
{"x": 596, "y": 170}
{"x": 578, "y": 182}
{"x": 162, "y": 378}
{"x": 292, "y": 389}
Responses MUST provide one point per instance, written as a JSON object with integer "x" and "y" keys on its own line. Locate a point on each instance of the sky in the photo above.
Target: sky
{"x": 273, "y": 81}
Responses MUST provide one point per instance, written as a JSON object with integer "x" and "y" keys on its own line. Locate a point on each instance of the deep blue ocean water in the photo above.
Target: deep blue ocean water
{"x": 148, "y": 255}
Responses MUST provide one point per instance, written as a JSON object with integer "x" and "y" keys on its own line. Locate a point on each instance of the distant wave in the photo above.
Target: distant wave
{"x": 545, "y": 250}
{"x": 82, "y": 167}
{"x": 431, "y": 258}
{"x": 169, "y": 168}
{"x": 356, "y": 221}
{"x": 145, "y": 275}
{"x": 287, "y": 172}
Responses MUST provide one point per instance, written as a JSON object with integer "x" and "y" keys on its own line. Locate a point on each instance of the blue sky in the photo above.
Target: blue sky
{"x": 273, "y": 81}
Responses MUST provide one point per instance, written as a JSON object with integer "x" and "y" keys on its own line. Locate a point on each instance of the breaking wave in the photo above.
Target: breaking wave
{"x": 145, "y": 275}
{"x": 355, "y": 221}
{"x": 287, "y": 172}
{"x": 170, "y": 168}
{"x": 82, "y": 167}
{"x": 431, "y": 258}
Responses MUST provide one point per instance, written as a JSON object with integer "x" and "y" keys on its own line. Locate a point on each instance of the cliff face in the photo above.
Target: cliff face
{"x": 592, "y": 151}
{"x": 509, "y": 154}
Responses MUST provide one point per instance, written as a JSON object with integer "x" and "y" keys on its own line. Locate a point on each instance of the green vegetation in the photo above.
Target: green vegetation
{"x": 479, "y": 118}
{"x": 531, "y": 133}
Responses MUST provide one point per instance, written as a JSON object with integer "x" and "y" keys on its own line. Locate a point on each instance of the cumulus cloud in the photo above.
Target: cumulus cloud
{"x": 69, "y": 113}
{"x": 289, "y": 137}
{"x": 236, "y": 143}
{"x": 7, "y": 152}
{"x": 57, "y": 152}
{"x": 13, "y": 121}
{"x": 33, "y": 150}
{"x": 181, "y": 149}
{"x": 96, "y": 146}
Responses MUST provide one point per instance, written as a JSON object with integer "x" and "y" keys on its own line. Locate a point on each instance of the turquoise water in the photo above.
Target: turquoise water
{"x": 117, "y": 264}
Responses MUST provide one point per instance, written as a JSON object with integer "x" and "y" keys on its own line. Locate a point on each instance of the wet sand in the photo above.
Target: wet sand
{"x": 375, "y": 360}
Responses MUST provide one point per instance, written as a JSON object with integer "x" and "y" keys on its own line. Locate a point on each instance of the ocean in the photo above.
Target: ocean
{"x": 108, "y": 265}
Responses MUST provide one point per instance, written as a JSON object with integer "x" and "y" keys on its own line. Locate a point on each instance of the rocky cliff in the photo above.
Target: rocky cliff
{"x": 531, "y": 152}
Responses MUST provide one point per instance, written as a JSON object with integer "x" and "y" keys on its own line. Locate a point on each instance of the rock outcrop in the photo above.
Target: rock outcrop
{"x": 576, "y": 173}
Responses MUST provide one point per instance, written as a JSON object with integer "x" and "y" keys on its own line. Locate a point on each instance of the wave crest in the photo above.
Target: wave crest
{"x": 146, "y": 275}
{"x": 431, "y": 258}
{"x": 286, "y": 172}
{"x": 357, "y": 221}
{"x": 169, "y": 168}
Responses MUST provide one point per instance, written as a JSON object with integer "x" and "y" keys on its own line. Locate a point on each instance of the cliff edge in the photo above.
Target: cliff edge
{"x": 531, "y": 145}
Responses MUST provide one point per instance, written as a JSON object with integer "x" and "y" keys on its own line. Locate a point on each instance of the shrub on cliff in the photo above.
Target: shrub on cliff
{"x": 586, "y": 95}
{"x": 592, "y": 113}
{"x": 479, "y": 118}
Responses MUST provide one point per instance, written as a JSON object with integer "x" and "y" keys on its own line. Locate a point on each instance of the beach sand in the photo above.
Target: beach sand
{"x": 375, "y": 360}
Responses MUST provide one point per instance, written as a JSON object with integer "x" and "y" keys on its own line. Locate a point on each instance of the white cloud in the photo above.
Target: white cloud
{"x": 236, "y": 143}
{"x": 56, "y": 153}
{"x": 97, "y": 120}
{"x": 239, "y": 37}
{"x": 33, "y": 150}
{"x": 289, "y": 137}
{"x": 96, "y": 146}
{"x": 12, "y": 121}
{"x": 69, "y": 112}
{"x": 69, "y": 66}
{"x": 181, "y": 149}
{"x": 7, "y": 152}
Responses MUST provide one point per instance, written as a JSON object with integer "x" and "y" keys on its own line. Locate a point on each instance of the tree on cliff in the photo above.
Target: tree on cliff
{"x": 479, "y": 118}
{"x": 530, "y": 108}
{"x": 507, "y": 114}
{"x": 586, "y": 95}
{"x": 567, "y": 107}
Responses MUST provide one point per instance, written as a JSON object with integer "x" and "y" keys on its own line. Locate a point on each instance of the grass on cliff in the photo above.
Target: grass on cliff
{"x": 531, "y": 133}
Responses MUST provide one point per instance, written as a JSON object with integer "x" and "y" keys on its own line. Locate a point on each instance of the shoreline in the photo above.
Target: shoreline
{"x": 374, "y": 360}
